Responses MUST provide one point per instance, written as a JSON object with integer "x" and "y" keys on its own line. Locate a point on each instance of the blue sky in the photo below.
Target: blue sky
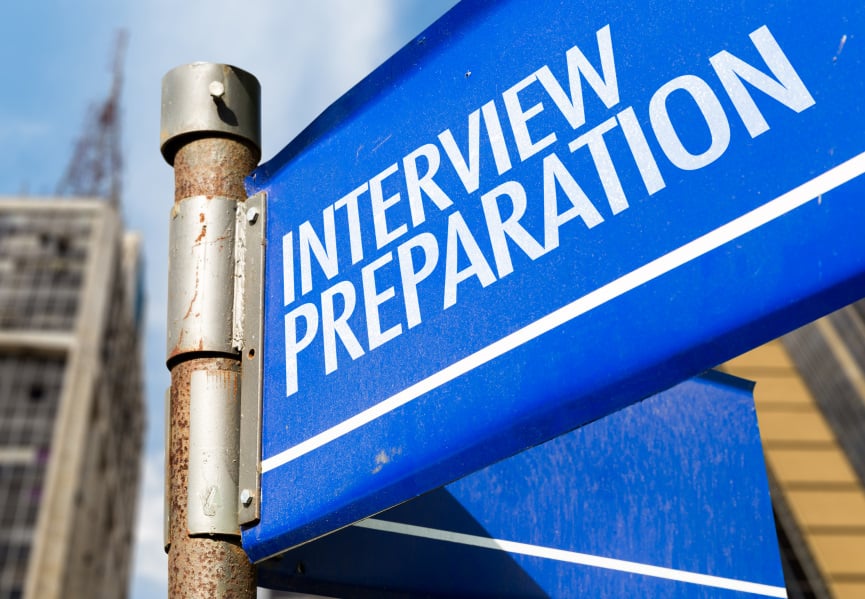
{"x": 56, "y": 63}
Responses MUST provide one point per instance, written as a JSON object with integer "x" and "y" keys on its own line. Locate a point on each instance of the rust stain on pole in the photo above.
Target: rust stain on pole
{"x": 212, "y": 566}
{"x": 205, "y": 567}
{"x": 213, "y": 166}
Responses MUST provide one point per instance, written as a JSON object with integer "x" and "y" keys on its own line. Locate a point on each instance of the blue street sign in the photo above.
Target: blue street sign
{"x": 666, "y": 498}
{"x": 535, "y": 214}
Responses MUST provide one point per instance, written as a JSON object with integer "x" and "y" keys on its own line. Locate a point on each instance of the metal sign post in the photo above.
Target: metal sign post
{"x": 211, "y": 135}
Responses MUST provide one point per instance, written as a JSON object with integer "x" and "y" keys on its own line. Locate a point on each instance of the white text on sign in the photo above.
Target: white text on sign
{"x": 346, "y": 320}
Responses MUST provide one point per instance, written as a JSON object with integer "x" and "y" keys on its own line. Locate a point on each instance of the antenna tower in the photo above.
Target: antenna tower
{"x": 96, "y": 166}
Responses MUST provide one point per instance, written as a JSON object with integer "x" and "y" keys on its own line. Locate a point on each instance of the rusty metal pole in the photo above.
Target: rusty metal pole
{"x": 210, "y": 133}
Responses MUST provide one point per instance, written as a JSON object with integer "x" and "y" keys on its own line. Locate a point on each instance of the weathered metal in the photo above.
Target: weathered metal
{"x": 210, "y": 133}
{"x": 201, "y": 262}
{"x": 208, "y": 100}
{"x": 214, "y": 165}
{"x": 249, "y": 303}
{"x": 198, "y": 566}
{"x": 214, "y": 431}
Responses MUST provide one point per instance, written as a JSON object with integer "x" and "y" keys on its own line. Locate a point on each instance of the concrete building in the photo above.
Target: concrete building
{"x": 71, "y": 402}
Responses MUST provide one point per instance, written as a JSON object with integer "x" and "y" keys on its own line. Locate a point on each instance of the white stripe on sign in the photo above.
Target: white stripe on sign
{"x": 572, "y": 557}
{"x": 734, "y": 229}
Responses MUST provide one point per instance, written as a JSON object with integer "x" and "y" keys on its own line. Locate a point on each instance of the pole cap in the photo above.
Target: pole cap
{"x": 203, "y": 99}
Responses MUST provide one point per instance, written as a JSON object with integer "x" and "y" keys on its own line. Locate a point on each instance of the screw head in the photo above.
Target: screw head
{"x": 216, "y": 89}
{"x": 252, "y": 215}
{"x": 246, "y": 497}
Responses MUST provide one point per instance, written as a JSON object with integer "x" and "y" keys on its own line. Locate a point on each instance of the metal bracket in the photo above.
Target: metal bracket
{"x": 201, "y": 262}
{"x": 213, "y": 439}
{"x": 248, "y": 329}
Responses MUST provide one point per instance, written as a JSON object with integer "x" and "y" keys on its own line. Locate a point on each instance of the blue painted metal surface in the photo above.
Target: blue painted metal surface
{"x": 674, "y": 482}
{"x": 692, "y": 188}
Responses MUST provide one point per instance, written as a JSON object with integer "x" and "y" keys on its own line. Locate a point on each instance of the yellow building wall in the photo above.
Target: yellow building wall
{"x": 809, "y": 468}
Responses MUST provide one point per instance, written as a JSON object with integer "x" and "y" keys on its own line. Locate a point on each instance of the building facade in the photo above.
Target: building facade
{"x": 71, "y": 399}
{"x": 810, "y": 398}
